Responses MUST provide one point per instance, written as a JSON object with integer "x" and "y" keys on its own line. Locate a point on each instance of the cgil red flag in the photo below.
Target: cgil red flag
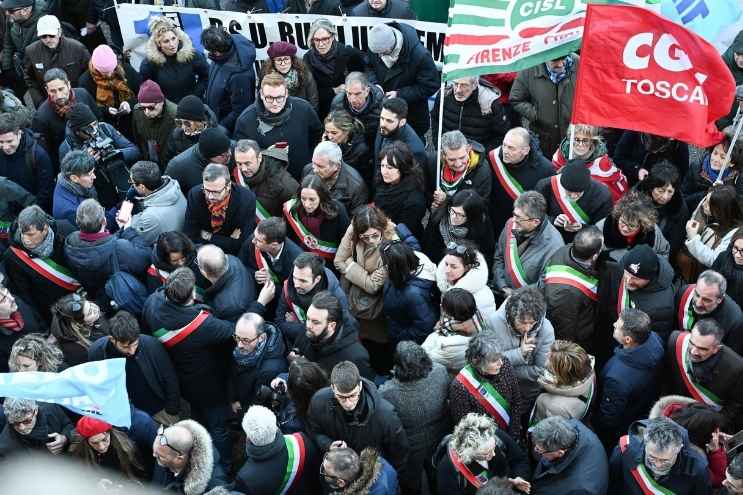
{"x": 643, "y": 72}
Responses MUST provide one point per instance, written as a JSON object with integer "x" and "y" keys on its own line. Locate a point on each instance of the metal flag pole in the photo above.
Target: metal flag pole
{"x": 441, "y": 125}
{"x": 730, "y": 148}
{"x": 570, "y": 144}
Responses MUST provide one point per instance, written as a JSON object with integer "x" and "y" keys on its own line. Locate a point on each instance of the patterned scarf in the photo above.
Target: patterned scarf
{"x": 62, "y": 110}
{"x": 110, "y": 91}
{"x": 292, "y": 79}
{"x": 14, "y": 323}
{"x": 218, "y": 211}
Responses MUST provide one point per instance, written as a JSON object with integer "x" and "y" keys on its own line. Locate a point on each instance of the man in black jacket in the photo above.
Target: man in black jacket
{"x": 268, "y": 254}
{"x": 343, "y": 181}
{"x": 33, "y": 427}
{"x": 351, "y": 413}
{"x": 393, "y": 126}
{"x": 187, "y": 167}
{"x": 220, "y": 212}
{"x": 232, "y": 291}
{"x": 151, "y": 379}
{"x": 363, "y": 101}
{"x": 390, "y": 9}
{"x": 464, "y": 165}
{"x": 403, "y": 68}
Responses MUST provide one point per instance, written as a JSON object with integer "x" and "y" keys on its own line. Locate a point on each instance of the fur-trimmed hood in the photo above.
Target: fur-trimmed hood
{"x": 201, "y": 459}
{"x": 186, "y": 51}
{"x": 657, "y": 410}
{"x": 371, "y": 469}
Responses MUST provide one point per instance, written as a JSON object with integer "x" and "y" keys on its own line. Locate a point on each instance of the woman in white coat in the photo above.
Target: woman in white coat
{"x": 464, "y": 267}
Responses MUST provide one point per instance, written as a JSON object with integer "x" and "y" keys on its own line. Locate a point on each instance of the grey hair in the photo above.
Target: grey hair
{"x": 554, "y": 433}
{"x": 453, "y": 140}
{"x": 331, "y": 151}
{"x": 90, "y": 216}
{"x": 18, "y": 409}
{"x": 472, "y": 431}
{"x": 522, "y": 133}
{"x": 54, "y": 74}
{"x": 664, "y": 433}
{"x": 321, "y": 23}
{"x": 482, "y": 349}
{"x": 48, "y": 357}
{"x": 709, "y": 326}
{"x": 357, "y": 77}
{"x": 473, "y": 80}
{"x": 526, "y": 302}
{"x": 533, "y": 204}
{"x": 245, "y": 145}
{"x": 711, "y": 277}
{"x": 253, "y": 319}
{"x": 215, "y": 171}
{"x": 212, "y": 260}
{"x": 32, "y": 216}
{"x": 77, "y": 162}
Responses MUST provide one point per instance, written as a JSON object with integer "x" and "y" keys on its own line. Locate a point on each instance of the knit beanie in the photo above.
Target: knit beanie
{"x": 150, "y": 92}
{"x": 642, "y": 262}
{"x": 213, "y": 142}
{"x": 16, "y": 4}
{"x": 382, "y": 38}
{"x": 88, "y": 426}
{"x": 281, "y": 49}
{"x": 80, "y": 115}
{"x": 575, "y": 177}
{"x": 191, "y": 108}
{"x": 104, "y": 59}
{"x": 259, "y": 424}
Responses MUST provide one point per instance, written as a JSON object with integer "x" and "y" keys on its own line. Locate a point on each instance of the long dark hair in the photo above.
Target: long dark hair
{"x": 368, "y": 217}
{"x": 327, "y": 205}
{"x": 68, "y": 321}
{"x": 297, "y": 64}
{"x": 725, "y": 208}
{"x": 399, "y": 156}
{"x": 401, "y": 262}
{"x": 125, "y": 450}
{"x": 174, "y": 242}
{"x": 305, "y": 378}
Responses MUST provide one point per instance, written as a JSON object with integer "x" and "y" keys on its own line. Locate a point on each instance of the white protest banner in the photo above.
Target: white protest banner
{"x": 261, "y": 29}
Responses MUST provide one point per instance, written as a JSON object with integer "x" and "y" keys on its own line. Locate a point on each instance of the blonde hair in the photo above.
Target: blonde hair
{"x": 471, "y": 432}
{"x": 568, "y": 363}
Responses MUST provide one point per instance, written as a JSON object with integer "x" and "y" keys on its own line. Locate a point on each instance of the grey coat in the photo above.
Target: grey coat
{"x": 163, "y": 211}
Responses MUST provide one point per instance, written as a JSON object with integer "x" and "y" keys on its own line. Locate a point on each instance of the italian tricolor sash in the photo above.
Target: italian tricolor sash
{"x": 644, "y": 479}
{"x": 700, "y": 393}
{"x": 483, "y": 391}
{"x": 162, "y": 276}
{"x": 512, "y": 187}
{"x": 322, "y": 248}
{"x": 47, "y": 268}
{"x": 623, "y": 299}
{"x": 685, "y": 310}
{"x": 298, "y": 312}
{"x": 568, "y": 206}
{"x": 170, "y": 338}
{"x": 238, "y": 176}
{"x": 567, "y": 275}
{"x": 261, "y": 263}
{"x": 295, "y": 462}
{"x": 476, "y": 481}
{"x": 261, "y": 212}
{"x": 512, "y": 259}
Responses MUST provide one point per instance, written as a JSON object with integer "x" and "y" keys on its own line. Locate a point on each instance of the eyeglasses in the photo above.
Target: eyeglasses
{"x": 370, "y": 237}
{"x": 209, "y": 192}
{"x": 274, "y": 99}
{"x": 457, "y": 248}
{"x": 164, "y": 441}
{"x": 737, "y": 250}
{"x": 627, "y": 225}
{"x": 456, "y": 214}
{"x": 582, "y": 140}
{"x": 521, "y": 219}
{"x": 148, "y": 108}
{"x": 348, "y": 397}
{"x": 282, "y": 60}
{"x": 325, "y": 474}
{"x": 244, "y": 341}
{"x": 322, "y": 41}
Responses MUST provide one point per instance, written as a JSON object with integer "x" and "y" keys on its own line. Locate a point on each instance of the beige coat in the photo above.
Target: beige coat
{"x": 570, "y": 402}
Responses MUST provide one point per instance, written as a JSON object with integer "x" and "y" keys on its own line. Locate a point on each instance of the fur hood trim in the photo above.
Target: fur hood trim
{"x": 657, "y": 410}
{"x": 201, "y": 460}
{"x": 186, "y": 51}
{"x": 371, "y": 468}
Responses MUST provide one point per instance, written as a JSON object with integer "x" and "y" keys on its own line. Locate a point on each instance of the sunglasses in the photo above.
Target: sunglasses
{"x": 457, "y": 248}
{"x": 164, "y": 441}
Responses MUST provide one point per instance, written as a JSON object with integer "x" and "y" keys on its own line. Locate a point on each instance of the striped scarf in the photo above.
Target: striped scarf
{"x": 218, "y": 211}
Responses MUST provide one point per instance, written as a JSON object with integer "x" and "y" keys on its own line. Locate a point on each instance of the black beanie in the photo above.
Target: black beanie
{"x": 641, "y": 261}
{"x": 16, "y": 4}
{"x": 80, "y": 115}
{"x": 575, "y": 177}
{"x": 213, "y": 142}
{"x": 191, "y": 108}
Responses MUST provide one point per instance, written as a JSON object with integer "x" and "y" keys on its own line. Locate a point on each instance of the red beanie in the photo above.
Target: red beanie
{"x": 88, "y": 426}
{"x": 281, "y": 49}
{"x": 150, "y": 92}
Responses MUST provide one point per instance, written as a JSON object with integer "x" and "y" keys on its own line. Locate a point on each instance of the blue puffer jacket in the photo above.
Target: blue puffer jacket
{"x": 231, "y": 87}
{"x": 410, "y": 311}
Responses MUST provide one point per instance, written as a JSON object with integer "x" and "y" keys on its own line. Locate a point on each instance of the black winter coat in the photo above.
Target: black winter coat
{"x": 434, "y": 246}
{"x": 733, "y": 273}
{"x": 179, "y": 141}
{"x": 347, "y": 59}
{"x": 187, "y": 167}
{"x": 178, "y": 79}
{"x": 282, "y": 267}
{"x": 319, "y": 7}
{"x": 31, "y": 168}
{"x": 414, "y": 76}
{"x": 672, "y": 218}
{"x": 240, "y": 214}
{"x": 348, "y": 189}
{"x": 331, "y": 230}
{"x": 394, "y": 9}
{"x": 50, "y": 419}
{"x": 369, "y": 115}
{"x": 404, "y": 202}
{"x": 233, "y": 293}
{"x": 631, "y": 155}
{"x": 201, "y": 360}
{"x": 727, "y": 314}
{"x": 374, "y": 423}
{"x": 247, "y": 379}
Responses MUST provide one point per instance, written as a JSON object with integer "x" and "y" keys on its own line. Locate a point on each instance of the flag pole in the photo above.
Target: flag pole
{"x": 441, "y": 125}
{"x": 730, "y": 150}
{"x": 570, "y": 144}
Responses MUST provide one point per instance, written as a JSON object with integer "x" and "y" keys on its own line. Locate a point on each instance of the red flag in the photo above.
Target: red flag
{"x": 643, "y": 72}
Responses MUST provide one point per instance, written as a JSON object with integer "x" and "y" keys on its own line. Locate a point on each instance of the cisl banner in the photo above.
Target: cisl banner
{"x": 643, "y": 72}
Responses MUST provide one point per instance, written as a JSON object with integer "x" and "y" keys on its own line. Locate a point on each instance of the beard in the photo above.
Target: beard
{"x": 319, "y": 338}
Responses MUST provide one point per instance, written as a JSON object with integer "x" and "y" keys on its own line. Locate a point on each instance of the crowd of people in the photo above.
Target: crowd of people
{"x": 308, "y": 299}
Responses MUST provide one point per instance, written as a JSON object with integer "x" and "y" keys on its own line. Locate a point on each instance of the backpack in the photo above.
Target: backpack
{"x": 125, "y": 289}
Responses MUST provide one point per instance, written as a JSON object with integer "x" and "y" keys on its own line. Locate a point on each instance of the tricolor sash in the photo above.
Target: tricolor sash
{"x": 512, "y": 187}
{"x": 298, "y": 312}
{"x": 162, "y": 276}
{"x": 685, "y": 310}
{"x": 322, "y": 248}
{"x": 623, "y": 299}
{"x": 238, "y": 177}
{"x": 642, "y": 476}
{"x": 697, "y": 391}
{"x": 569, "y": 207}
{"x": 476, "y": 481}
{"x": 261, "y": 263}
{"x": 512, "y": 259}
{"x": 485, "y": 393}
{"x": 47, "y": 268}
{"x": 261, "y": 213}
{"x": 170, "y": 338}
{"x": 567, "y": 275}
{"x": 296, "y": 456}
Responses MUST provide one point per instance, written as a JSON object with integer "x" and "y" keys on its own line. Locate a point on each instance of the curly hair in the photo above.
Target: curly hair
{"x": 471, "y": 433}
{"x": 411, "y": 362}
{"x": 482, "y": 349}
{"x": 568, "y": 362}
{"x": 636, "y": 208}
{"x": 526, "y": 302}
{"x": 34, "y": 346}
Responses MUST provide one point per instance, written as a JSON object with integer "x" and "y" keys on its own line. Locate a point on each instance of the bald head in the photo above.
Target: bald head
{"x": 519, "y": 133}
{"x": 212, "y": 262}
{"x": 180, "y": 438}
{"x": 516, "y": 145}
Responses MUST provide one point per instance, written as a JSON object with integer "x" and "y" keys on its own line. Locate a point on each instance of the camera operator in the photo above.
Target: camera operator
{"x": 112, "y": 152}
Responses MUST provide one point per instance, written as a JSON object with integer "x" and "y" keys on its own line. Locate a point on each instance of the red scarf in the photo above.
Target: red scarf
{"x": 14, "y": 323}
{"x": 451, "y": 176}
{"x": 218, "y": 211}
{"x": 62, "y": 110}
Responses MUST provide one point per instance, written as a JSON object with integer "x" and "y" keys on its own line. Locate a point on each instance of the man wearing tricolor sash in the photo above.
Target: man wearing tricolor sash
{"x": 517, "y": 165}
{"x": 708, "y": 299}
{"x": 656, "y": 458}
{"x": 574, "y": 199}
{"x": 276, "y": 464}
{"x": 195, "y": 340}
{"x": 269, "y": 254}
{"x": 702, "y": 367}
{"x": 525, "y": 245}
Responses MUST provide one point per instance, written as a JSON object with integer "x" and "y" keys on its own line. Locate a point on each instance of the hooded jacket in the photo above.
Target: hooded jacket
{"x": 185, "y": 73}
{"x": 377, "y": 476}
{"x": 248, "y": 378}
{"x": 688, "y": 476}
{"x": 231, "y": 86}
{"x": 410, "y": 311}
{"x": 231, "y": 295}
{"x": 394, "y": 9}
{"x": 70, "y": 55}
{"x": 31, "y": 168}
{"x": 475, "y": 281}
{"x": 572, "y": 401}
{"x": 374, "y": 423}
{"x": 162, "y": 211}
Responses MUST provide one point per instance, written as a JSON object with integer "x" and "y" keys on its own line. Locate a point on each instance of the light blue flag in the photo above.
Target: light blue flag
{"x": 95, "y": 389}
{"x": 717, "y": 21}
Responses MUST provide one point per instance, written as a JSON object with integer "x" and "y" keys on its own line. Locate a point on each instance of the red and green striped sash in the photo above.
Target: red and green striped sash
{"x": 322, "y": 248}
{"x": 623, "y": 299}
{"x": 567, "y": 275}
{"x": 700, "y": 393}
{"x": 170, "y": 338}
{"x": 489, "y": 398}
{"x": 569, "y": 207}
{"x": 261, "y": 213}
{"x": 685, "y": 310}
{"x": 514, "y": 269}
{"x": 297, "y": 455}
{"x": 476, "y": 481}
{"x": 261, "y": 263}
{"x": 512, "y": 187}
{"x": 47, "y": 268}
{"x": 298, "y": 311}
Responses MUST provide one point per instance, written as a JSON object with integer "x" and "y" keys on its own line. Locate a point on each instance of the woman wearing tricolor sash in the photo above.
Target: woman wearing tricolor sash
{"x": 171, "y": 251}
{"x": 655, "y": 458}
{"x": 477, "y": 451}
{"x": 316, "y": 221}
